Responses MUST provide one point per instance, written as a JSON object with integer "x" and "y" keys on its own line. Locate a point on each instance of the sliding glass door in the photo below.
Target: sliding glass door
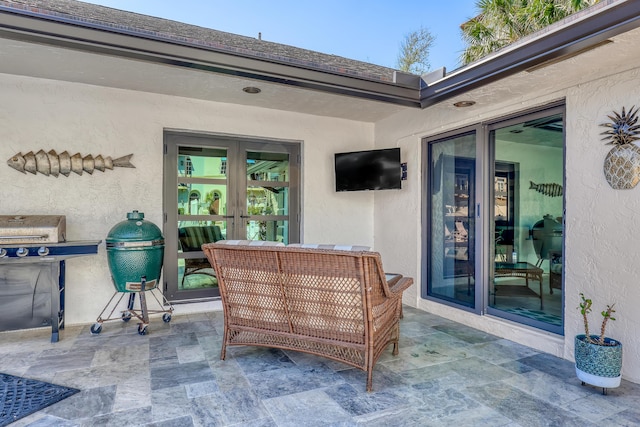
{"x": 451, "y": 220}
{"x": 527, "y": 219}
{"x": 494, "y": 219}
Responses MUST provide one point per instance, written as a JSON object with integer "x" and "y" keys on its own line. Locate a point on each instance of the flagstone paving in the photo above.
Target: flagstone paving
{"x": 446, "y": 374}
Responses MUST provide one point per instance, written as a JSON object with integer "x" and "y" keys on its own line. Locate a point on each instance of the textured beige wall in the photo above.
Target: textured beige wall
{"x": 42, "y": 114}
{"x": 601, "y": 236}
{"x": 600, "y": 232}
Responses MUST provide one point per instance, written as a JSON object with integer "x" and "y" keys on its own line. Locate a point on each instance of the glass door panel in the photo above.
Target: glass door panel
{"x": 267, "y": 203}
{"x": 451, "y": 269}
{"x": 265, "y": 166}
{"x": 528, "y": 170}
{"x": 202, "y": 198}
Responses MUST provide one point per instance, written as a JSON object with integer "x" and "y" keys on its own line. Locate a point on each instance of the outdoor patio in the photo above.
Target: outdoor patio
{"x": 446, "y": 374}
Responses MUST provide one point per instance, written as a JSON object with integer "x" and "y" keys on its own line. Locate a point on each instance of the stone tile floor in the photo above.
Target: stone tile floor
{"x": 446, "y": 374}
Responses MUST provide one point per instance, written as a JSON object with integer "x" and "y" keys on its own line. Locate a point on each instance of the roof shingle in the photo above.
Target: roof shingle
{"x": 115, "y": 20}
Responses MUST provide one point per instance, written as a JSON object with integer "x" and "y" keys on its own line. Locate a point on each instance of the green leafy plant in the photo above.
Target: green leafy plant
{"x": 585, "y": 309}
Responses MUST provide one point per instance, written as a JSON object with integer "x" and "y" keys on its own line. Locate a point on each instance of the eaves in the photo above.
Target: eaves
{"x": 578, "y": 33}
{"x": 89, "y": 36}
{"x": 575, "y": 34}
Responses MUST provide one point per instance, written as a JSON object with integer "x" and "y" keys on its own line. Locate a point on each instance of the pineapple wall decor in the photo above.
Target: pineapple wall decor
{"x": 622, "y": 164}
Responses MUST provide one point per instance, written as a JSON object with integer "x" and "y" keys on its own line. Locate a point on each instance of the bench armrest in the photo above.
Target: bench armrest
{"x": 396, "y": 285}
{"x": 399, "y": 284}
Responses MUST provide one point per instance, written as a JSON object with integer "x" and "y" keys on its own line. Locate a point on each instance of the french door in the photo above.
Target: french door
{"x": 220, "y": 187}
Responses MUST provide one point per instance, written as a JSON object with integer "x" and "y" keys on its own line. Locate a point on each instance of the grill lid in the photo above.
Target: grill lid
{"x": 22, "y": 229}
{"x": 134, "y": 232}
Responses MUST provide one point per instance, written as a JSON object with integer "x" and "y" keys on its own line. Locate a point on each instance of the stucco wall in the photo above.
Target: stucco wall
{"x": 600, "y": 236}
{"x": 600, "y": 229}
{"x": 601, "y": 222}
{"x": 42, "y": 114}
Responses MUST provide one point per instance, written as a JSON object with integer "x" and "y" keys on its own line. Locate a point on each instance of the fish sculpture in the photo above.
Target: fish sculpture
{"x": 551, "y": 190}
{"x": 55, "y": 164}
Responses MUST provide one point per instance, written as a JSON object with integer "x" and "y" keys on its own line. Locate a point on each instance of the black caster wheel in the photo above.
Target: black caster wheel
{"x": 96, "y": 328}
{"x": 142, "y": 330}
{"x": 166, "y": 318}
{"x": 126, "y": 316}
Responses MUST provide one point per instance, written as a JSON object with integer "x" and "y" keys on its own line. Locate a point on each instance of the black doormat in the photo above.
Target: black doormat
{"x": 20, "y": 397}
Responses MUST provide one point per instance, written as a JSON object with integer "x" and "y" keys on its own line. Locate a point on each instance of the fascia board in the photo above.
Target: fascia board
{"x": 19, "y": 25}
{"x": 576, "y": 36}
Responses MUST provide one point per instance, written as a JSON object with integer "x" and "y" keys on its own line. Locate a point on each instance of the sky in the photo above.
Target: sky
{"x": 369, "y": 31}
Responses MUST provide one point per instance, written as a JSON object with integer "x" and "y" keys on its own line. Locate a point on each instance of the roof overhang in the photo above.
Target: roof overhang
{"x": 561, "y": 40}
{"x": 576, "y": 34}
{"x": 32, "y": 27}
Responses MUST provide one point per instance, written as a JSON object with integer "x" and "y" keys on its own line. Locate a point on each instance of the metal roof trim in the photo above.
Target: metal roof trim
{"x": 577, "y": 32}
{"x": 27, "y": 25}
{"x": 187, "y": 41}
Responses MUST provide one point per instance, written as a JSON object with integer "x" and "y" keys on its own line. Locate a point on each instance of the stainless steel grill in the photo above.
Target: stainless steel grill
{"x": 19, "y": 229}
{"x": 33, "y": 250}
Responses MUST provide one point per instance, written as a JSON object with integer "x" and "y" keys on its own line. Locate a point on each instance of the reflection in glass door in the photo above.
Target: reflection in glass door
{"x": 451, "y": 266}
{"x": 267, "y": 204}
{"x": 202, "y": 207}
{"x": 222, "y": 188}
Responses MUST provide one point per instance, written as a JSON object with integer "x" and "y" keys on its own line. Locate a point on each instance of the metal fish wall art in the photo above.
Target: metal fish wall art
{"x": 551, "y": 190}
{"x": 55, "y": 164}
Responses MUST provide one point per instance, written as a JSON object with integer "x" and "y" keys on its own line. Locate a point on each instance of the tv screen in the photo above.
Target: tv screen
{"x": 368, "y": 170}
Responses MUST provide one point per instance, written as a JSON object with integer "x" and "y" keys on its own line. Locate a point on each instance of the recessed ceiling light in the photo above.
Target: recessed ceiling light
{"x": 251, "y": 89}
{"x": 461, "y": 104}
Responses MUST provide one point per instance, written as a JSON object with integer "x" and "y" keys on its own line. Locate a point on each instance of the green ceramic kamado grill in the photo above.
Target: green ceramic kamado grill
{"x": 135, "y": 251}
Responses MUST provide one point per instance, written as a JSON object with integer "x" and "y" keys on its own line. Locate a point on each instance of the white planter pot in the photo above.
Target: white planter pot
{"x": 604, "y": 382}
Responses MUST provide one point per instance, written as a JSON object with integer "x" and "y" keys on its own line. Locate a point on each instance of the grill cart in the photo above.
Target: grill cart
{"x": 33, "y": 253}
{"x": 135, "y": 250}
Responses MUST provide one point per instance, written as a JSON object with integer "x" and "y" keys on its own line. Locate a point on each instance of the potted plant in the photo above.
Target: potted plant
{"x": 598, "y": 358}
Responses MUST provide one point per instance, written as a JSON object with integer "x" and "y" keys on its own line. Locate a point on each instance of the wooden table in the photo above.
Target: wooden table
{"x": 519, "y": 269}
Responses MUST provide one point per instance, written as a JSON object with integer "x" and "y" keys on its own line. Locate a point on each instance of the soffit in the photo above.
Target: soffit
{"x": 108, "y": 63}
{"x": 43, "y": 61}
{"x": 104, "y": 47}
{"x": 56, "y": 63}
{"x": 603, "y": 62}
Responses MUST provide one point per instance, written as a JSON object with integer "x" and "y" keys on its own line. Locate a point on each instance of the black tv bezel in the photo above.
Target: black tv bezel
{"x": 396, "y": 184}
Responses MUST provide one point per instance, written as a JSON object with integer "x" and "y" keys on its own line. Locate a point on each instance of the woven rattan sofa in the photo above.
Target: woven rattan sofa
{"x": 327, "y": 302}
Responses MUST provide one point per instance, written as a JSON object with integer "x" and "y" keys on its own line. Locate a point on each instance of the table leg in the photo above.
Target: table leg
{"x": 56, "y": 306}
{"x": 541, "y": 294}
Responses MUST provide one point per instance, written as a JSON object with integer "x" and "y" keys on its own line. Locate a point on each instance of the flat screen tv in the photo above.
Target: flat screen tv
{"x": 368, "y": 170}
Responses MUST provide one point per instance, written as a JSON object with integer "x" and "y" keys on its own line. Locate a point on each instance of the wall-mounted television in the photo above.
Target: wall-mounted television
{"x": 368, "y": 170}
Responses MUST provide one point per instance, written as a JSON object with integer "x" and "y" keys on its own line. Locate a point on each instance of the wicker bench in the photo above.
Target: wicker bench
{"x": 331, "y": 303}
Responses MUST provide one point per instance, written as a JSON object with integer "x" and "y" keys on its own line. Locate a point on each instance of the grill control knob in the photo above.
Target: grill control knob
{"x": 43, "y": 251}
{"x": 22, "y": 252}
{"x": 3, "y": 252}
